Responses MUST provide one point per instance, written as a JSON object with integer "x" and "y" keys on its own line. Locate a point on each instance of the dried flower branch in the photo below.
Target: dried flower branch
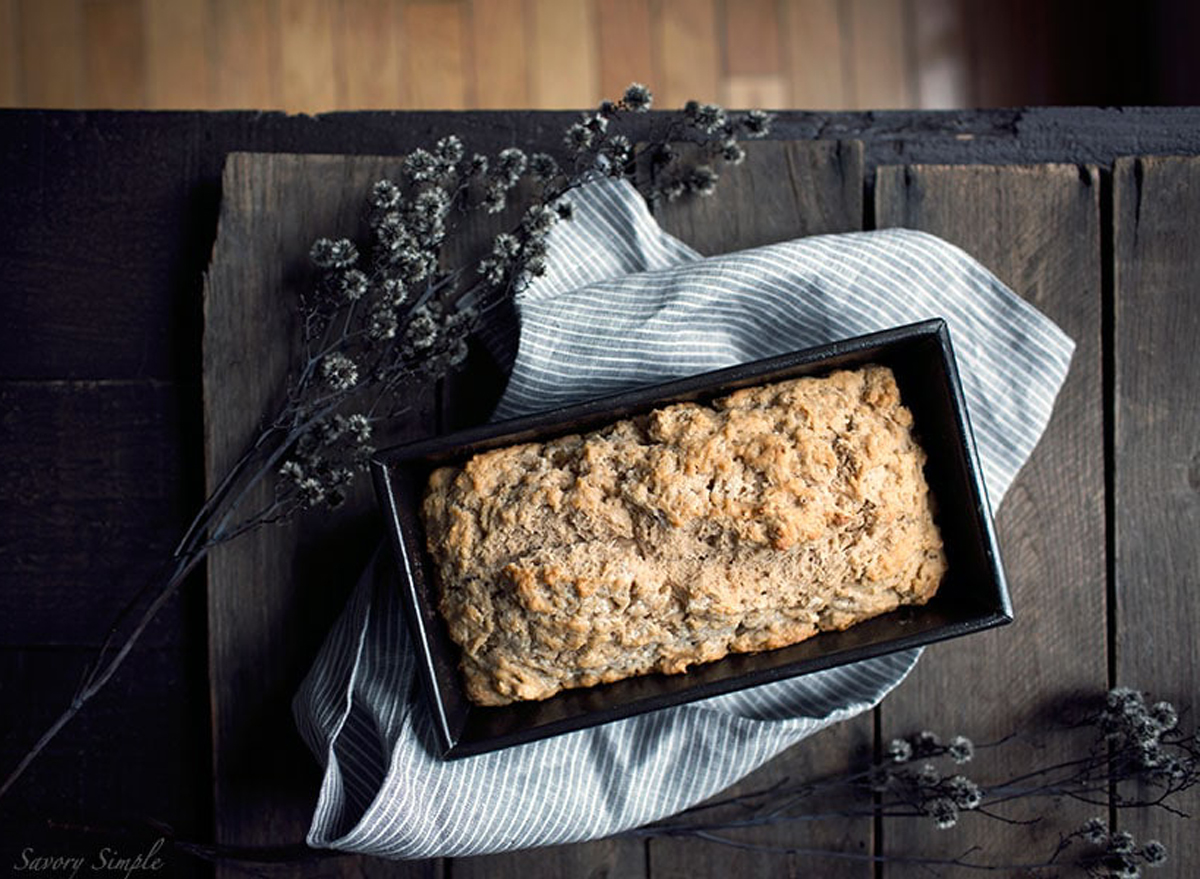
{"x": 1138, "y": 758}
{"x": 391, "y": 314}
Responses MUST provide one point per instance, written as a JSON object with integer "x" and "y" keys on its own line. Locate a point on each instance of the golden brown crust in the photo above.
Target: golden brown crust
{"x": 683, "y": 536}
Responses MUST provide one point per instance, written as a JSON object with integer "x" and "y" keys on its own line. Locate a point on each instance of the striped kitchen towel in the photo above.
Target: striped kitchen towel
{"x": 625, "y": 304}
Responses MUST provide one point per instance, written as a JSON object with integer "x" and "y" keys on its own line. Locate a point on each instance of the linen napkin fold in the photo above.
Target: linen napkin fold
{"x": 625, "y": 304}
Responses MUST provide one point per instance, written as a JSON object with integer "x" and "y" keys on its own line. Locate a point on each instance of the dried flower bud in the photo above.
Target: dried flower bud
{"x": 966, "y": 794}
{"x": 1164, "y": 716}
{"x": 310, "y": 492}
{"x": 1154, "y": 853}
{"x": 578, "y": 138}
{"x": 333, "y": 254}
{"x": 1121, "y": 842}
{"x": 393, "y": 292}
{"x": 421, "y": 165}
{"x": 732, "y": 153}
{"x": 339, "y": 371}
{"x": 510, "y": 165}
{"x": 385, "y": 195}
{"x": 478, "y": 165}
{"x": 709, "y": 118}
{"x": 900, "y": 751}
{"x": 702, "y": 180}
{"x": 565, "y": 209}
{"x": 1095, "y": 831}
{"x": 422, "y": 331}
{"x": 353, "y": 285}
{"x": 506, "y": 246}
{"x": 618, "y": 150}
{"x": 383, "y": 324}
{"x": 961, "y": 749}
{"x": 450, "y": 149}
{"x": 542, "y": 166}
{"x": 539, "y": 219}
{"x": 595, "y": 123}
{"x": 943, "y": 811}
{"x": 494, "y": 199}
{"x": 757, "y": 123}
{"x": 637, "y": 98}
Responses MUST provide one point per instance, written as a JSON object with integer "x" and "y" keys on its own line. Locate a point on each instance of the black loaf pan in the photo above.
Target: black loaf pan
{"x": 973, "y": 595}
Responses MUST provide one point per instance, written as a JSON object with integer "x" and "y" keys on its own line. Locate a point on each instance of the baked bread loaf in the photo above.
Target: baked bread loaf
{"x": 684, "y": 535}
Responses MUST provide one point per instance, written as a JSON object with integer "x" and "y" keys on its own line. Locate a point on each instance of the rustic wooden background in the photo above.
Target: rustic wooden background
{"x": 320, "y": 55}
{"x": 1039, "y": 227}
{"x": 110, "y": 223}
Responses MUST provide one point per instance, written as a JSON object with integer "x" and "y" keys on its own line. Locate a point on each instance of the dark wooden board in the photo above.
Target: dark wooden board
{"x": 1038, "y": 229}
{"x": 96, "y": 492}
{"x": 1156, "y": 479}
{"x": 275, "y": 592}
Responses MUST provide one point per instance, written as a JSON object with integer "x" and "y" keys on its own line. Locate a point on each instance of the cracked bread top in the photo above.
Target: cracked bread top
{"x": 683, "y": 535}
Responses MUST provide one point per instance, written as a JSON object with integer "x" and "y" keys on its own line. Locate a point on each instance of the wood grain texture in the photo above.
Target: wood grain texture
{"x": 624, "y": 45}
{"x": 624, "y": 858}
{"x": 308, "y": 60}
{"x": 688, "y": 52}
{"x": 752, "y": 45}
{"x": 783, "y": 191}
{"x": 92, "y": 489}
{"x": 244, "y": 54}
{"x": 52, "y": 53}
{"x": 563, "y": 72}
{"x": 881, "y": 72}
{"x": 1157, "y": 453}
{"x": 273, "y": 594}
{"x": 115, "y": 54}
{"x": 1038, "y": 229}
{"x": 434, "y": 57}
{"x": 177, "y": 54}
{"x": 815, "y": 54}
{"x": 10, "y": 55}
{"x": 372, "y": 45}
{"x": 499, "y": 45}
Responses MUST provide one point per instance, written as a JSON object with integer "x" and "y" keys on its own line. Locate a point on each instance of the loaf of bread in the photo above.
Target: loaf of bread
{"x": 684, "y": 535}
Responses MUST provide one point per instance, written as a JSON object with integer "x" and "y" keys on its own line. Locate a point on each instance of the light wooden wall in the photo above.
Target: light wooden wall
{"x": 317, "y": 55}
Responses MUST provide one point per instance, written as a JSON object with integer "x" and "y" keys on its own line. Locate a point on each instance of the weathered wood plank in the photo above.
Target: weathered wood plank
{"x": 607, "y": 857}
{"x": 1157, "y": 454}
{"x": 110, "y": 757}
{"x": 783, "y": 191}
{"x": 93, "y": 491}
{"x": 273, "y": 594}
{"x": 1038, "y": 229}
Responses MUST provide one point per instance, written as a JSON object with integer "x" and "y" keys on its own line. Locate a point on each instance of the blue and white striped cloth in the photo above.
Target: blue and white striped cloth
{"x": 625, "y": 304}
